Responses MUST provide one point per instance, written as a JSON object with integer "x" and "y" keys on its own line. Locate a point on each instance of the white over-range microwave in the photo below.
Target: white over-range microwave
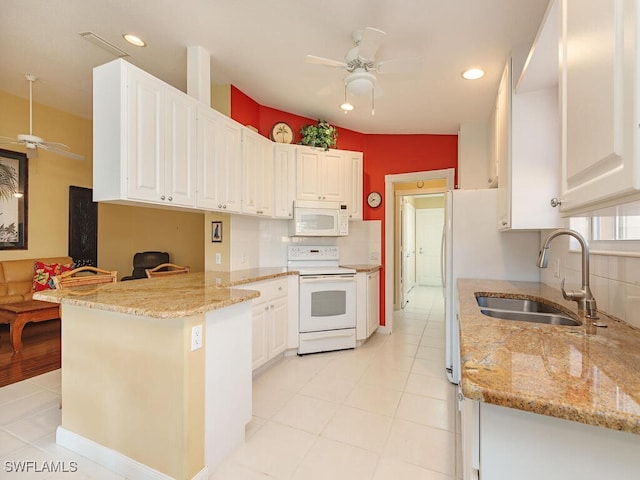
{"x": 319, "y": 219}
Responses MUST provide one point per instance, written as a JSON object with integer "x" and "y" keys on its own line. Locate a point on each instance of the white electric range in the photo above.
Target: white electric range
{"x": 327, "y": 305}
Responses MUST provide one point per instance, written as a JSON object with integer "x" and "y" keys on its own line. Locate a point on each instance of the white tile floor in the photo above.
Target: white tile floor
{"x": 382, "y": 411}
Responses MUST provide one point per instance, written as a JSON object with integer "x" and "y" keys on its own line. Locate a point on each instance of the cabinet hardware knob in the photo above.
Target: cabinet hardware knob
{"x": 224, "y": 206}
{"x": 555, "y": 202}
{"x": 504, "y": 223}
{"x": 162, "y": 197}
{"x": 170, "y": 199}
{"x": 219, "y": 205}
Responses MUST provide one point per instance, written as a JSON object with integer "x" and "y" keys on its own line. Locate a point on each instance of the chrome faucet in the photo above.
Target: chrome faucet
{"x": 583, "y": 297}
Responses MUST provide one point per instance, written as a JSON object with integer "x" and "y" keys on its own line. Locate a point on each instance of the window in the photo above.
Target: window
{"x": 612, "y": 231}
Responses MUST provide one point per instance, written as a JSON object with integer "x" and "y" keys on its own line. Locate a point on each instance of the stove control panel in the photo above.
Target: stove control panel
{"x": 305, "y": 252}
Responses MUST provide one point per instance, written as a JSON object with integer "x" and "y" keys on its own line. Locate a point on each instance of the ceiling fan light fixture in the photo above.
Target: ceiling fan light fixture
{"x": 347, "y": 107}
{"x": 360, "y": 82}
{"x": 473, "y": 74}
{"x": 134, "y": 40}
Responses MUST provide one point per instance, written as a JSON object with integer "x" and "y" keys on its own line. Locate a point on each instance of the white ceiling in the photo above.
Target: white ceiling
{"x": 260, "y": 46}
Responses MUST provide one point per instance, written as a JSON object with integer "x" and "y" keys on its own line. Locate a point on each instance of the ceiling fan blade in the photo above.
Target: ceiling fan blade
{"x": 400, "y": 65}
{"x": 60, "y": 151}
{"x": 9, "y": 141}
{"x": 369, "y": 44}
{"x": 325, "y": 61}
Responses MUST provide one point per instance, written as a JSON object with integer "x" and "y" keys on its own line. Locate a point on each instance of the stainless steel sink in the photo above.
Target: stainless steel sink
{"x": 524, "y": 310}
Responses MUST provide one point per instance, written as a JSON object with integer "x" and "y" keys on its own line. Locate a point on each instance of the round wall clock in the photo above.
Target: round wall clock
{"x": 281, "y": 132}
{"x": 374, "y": 199}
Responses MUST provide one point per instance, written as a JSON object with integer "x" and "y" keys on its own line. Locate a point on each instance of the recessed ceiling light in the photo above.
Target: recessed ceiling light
{"x": 134, "y": 40}
{"x": 473, "y": 74}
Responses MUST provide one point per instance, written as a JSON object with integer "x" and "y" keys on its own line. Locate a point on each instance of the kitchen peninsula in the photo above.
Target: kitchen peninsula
{"x": 156, "y": 373}
{"x": 547, "y": 401}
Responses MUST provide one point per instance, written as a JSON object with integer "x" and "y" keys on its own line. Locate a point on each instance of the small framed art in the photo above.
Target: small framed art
{"x": 216, "y": 232}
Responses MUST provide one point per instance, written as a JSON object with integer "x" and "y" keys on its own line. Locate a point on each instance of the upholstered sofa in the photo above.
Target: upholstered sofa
{"x": 17, "y": 281}
{"x": 16, "y": 277}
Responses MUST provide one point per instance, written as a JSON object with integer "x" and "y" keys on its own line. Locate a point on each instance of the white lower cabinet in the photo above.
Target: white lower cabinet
{"x": 367, "y": 303}
{"x": 505, "y": 443}
{"x": 270, "y": 320}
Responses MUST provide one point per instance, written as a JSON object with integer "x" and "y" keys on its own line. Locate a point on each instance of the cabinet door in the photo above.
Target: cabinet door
{"x": 355, "y": 183}
{"x": 285, "y": 180}
{"x": 308, "y": 185}
{"x": 180, "y": 149}
{"x": 260, "y": 334}
{"x": 598, "y": 103}
{"x": 219, "y": 161}
{"x": 257, "y": 174}
{"x": 334, "y": 172}
{"x": 373, "y": 302}
{"x": 229, "y": 165}
{"x": 208, "y": 133}
{"x": 279, "y": 315}
{"x": 502, "y": 118}
{"x": 145, "y": 151}
{"x": 251, "y": 160}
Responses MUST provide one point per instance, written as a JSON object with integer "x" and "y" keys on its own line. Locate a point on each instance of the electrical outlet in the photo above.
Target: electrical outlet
{"x": 196, "y": 337}
{"x": 218, "y": 258}
{"x": 556, "y": 268}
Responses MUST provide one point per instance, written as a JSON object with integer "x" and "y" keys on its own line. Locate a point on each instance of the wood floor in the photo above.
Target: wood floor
{"x": 40, "y": 353}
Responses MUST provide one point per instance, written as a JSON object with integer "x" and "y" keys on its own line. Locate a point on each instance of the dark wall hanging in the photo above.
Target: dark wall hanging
{"x": 83, "y": 227}
{"x": 14, "y": 196}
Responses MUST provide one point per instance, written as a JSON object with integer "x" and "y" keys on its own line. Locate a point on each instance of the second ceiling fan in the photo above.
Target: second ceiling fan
{"x": 361, "y": 64}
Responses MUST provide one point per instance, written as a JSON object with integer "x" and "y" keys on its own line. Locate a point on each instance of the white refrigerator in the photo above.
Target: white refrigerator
{"x": 475, "y": 248}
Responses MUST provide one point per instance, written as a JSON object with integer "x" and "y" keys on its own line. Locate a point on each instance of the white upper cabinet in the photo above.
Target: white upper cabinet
{"x": 355, "y": 199}
{"x": 144, "y": 138}
{"x": 527, "y": 133}
{"x": 219, "y": 161}
{"x": 257, "y": 174}
{"x": 321, "y": 175}
{"x": 285, "y": 179}
{"x": 599, "y": 104}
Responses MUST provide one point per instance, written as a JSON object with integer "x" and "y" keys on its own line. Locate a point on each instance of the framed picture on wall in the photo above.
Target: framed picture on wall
{"x": 216, "y": 232}
{"x": 14, "y": 198}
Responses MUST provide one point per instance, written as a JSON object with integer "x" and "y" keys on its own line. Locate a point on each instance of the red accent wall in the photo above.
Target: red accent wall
{"x": 383, "y": 154}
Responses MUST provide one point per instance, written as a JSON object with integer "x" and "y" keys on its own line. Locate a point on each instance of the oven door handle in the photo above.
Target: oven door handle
{"x": 326, "y": 278}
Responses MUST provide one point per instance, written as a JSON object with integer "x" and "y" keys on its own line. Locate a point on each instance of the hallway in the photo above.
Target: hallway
{"x": 382, "y": 411}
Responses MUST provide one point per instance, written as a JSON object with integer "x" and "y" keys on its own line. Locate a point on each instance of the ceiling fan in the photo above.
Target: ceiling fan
{"x": 361, "y": 65}
{"x": 33, "y": 143}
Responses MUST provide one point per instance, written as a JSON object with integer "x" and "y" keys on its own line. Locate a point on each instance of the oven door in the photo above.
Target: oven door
{"x": 327, "y": 302}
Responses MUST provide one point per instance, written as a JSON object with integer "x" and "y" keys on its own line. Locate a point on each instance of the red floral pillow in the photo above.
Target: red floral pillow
{"x": 43, "y": 274}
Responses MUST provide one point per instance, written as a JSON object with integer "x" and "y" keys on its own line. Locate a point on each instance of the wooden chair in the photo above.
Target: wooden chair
{"x": 165, "y": 269}
{"x": 72, "y": 279}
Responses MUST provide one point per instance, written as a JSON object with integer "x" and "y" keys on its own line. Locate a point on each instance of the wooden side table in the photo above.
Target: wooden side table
{"x": 18, "y": 314}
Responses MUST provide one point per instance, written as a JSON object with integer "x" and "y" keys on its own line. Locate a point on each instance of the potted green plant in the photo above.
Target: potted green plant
{"x": 320, "y": 135}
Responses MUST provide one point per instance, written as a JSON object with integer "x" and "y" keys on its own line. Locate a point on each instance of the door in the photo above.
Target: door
{"x": 429, "y": 225}
{"x": 408, "y": 247}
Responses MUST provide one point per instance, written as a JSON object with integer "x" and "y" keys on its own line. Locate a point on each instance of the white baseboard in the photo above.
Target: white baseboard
{"x": 386, "y": 329}
{"x": 115, "y": 461}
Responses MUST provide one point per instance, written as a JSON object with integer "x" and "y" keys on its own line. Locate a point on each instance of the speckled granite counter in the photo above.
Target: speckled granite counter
{"x": 364, "y": 267}
{"x": 167, "y": 297}
{"x": 585, "y": 374}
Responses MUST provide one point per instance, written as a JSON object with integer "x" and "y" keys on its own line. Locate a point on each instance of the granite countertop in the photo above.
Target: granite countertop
{"x": 585, "y": 373}
{"x": 166, "y": 297}
{"x": 364, "y": 267}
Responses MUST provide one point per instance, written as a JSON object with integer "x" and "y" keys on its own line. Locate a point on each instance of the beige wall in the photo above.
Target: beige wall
{"x": 122, "y": 230}
{"x": 142, "y": 392}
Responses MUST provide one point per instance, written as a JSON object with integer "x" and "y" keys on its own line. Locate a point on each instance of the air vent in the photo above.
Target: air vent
{"x": 103, "y": 44}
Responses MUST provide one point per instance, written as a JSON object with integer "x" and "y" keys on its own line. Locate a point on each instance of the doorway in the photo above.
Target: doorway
{"x": 399, "y": 272}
